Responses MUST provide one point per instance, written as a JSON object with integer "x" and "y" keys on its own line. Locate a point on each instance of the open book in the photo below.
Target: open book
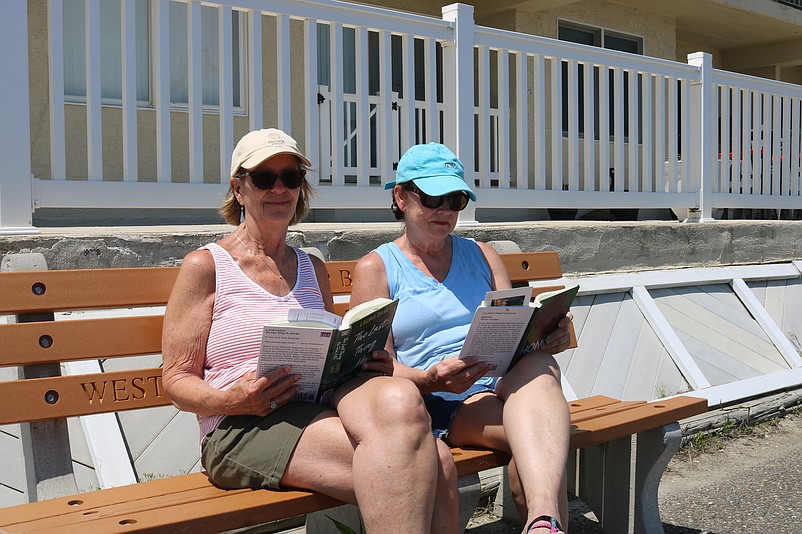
{"x": 509, "y": 324}
{"x": 323, "y": 348}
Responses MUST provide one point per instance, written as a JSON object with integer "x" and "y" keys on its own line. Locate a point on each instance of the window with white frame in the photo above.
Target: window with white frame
{"x": 592, "y": 36}
{"x": 111, "y": 51}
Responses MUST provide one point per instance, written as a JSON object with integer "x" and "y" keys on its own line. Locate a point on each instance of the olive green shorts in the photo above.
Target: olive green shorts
{"x": 246, "y": 451}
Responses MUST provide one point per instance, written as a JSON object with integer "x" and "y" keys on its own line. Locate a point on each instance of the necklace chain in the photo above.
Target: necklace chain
{"x": 261, "y": 256}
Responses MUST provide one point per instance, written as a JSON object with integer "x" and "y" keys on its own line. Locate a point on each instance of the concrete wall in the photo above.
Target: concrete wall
{"x": 584, "y": 247}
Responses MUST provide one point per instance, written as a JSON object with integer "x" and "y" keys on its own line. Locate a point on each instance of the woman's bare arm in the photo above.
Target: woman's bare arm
{"x": 187, "y": 322}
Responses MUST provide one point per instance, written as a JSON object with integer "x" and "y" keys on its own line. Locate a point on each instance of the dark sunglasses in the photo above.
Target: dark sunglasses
{"x": 267, "y": 179}
{"x": 456, "y": 201}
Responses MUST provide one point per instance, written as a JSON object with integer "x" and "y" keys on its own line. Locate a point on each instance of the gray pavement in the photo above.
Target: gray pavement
{"x": 752, "y": 484}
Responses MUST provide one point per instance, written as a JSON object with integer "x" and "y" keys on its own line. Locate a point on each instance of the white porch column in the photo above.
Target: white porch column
{"x": 16, "y": 198}
{"x": 458, "y": 73}
{"x": 705, "y": 148}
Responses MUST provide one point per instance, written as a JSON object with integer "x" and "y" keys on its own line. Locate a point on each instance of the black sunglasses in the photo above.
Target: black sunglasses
{"x": 456, "y": 201}
{"x": 267, "y": 179}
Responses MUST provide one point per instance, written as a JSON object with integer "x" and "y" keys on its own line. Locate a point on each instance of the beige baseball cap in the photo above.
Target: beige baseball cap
{"x": 260, "y": 145}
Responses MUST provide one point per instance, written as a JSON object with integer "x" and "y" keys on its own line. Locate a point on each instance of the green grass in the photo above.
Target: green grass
{"x": 717, "y": 439}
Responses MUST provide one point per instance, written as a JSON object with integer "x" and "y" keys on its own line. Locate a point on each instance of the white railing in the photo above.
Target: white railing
{"x": 553, "y": 125}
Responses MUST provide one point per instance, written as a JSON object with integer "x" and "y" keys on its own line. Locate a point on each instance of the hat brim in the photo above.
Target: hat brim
{"x": 265, "y": 153}
{"x": 436, "y": 186}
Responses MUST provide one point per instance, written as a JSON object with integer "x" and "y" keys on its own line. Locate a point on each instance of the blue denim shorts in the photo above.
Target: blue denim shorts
{"x": 443, "y": 405}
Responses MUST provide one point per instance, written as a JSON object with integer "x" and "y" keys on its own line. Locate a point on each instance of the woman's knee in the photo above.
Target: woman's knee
{"x": 387, "y": 403}
{"x": 400, "y": 399}
{"x": 538, "y": 368}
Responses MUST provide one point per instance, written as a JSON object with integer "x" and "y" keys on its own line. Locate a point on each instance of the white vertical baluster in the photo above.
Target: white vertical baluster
{"x": 55, "y": 25}
{"x": 539, "y": 120}
{"x": 94, "y": 128}
{"x": 312, "y": 129}
{"x": 336, "y": 103}
{"x": 254, "y": 77}
{"x": 284, "y": 74}
{"x": 556, "y": 125}
{"x": 385, "y": 118}
{"x": 483, "y": 141}
{"x": 128, "y": 42}
{"x": 573, "y": 125}
{"x": 521, "y": 120}
{"x": 161, "y": 86}
{"x": 502, "y": 145}
{"x": 195, "y": 91}
{"x": 224, "y": 20}
{"x": 363, "y": 109}
{"x": 589, "y": 127}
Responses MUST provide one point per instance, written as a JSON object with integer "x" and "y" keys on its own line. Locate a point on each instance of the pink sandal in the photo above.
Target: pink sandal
{"x": 545, "y": 521}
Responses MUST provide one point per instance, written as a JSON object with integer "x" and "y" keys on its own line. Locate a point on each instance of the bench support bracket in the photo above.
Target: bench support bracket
{"x": 655, "y": 449}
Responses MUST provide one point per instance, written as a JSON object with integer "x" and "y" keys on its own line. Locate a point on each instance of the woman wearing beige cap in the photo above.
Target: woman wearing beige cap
{"x": 375, "y": 450}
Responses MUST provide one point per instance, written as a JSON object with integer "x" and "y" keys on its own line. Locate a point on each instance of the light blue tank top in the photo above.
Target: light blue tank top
{"x": 432, "y": 318}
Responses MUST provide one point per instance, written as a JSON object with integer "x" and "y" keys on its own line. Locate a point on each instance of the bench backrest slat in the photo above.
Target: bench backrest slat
{"x": 522, "y": 267}
{"x": 37, "y": 399}
{"x": 525, "y": 266}
{"x": 37, "y": 291}
{"x": 80, "y": 339}
{"x": 340, "y": 276}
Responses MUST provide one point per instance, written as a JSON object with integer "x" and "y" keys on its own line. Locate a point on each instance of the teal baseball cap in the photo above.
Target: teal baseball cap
{"x": 435, "y": 170}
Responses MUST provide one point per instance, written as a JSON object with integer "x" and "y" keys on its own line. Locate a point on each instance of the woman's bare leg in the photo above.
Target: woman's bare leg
{"x": 529, "y": 419}
{"x": 445, "y": 518}
{"x": 397, "y": 470}
{"x": 537, "y": 425}
{"x": 322, "y": 460}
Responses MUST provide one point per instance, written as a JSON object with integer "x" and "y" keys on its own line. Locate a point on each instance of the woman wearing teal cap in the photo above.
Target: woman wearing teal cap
{"x": 440, "y": 279}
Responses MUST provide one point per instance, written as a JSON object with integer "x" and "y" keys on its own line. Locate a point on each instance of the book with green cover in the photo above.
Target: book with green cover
{"x": 509, "y": 324}
{"x": 325, "y": 350}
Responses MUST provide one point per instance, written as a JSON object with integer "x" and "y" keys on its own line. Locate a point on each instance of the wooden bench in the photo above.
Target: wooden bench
{"x": 41, "y": 399}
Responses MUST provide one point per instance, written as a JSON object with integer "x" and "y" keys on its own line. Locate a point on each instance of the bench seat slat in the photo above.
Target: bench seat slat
{"x": 152, "y": 506}
{"x": 80, "y": 339}
{"x": 637, "y": 419}
{"x": 108, "y": 497}
{"x": 590, "y": 403}
{"x": 25, "y": 400}
{"x": 604, "y": 410}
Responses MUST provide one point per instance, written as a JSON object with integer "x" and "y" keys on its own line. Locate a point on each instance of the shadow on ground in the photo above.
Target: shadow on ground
{"x": 582, "y": 521}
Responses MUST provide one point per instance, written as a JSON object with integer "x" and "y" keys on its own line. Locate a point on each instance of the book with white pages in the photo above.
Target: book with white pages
{"x": 509, "y": 324}
{"x": 324, "y": 349}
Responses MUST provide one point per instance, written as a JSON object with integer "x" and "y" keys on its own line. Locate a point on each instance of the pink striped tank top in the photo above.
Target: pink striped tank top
{"x": 241, "y": 308}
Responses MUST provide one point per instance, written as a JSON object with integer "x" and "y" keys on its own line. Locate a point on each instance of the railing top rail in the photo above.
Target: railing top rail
{"x": 754, "y": 83}
{"x": 536, "y": 45}
{"x": 352, "y": 15}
